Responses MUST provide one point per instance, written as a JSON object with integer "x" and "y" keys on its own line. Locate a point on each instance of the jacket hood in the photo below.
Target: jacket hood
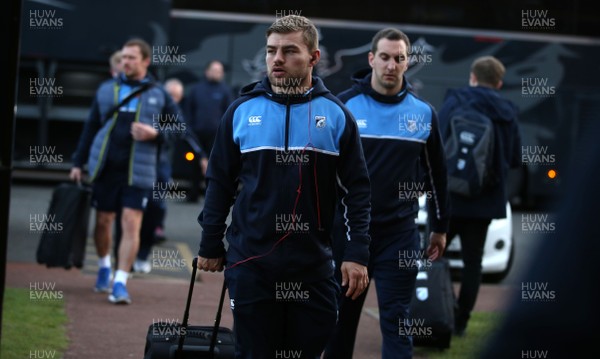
{"x": 362, "y": 84}
{"x": 487, "y": 100}
{"x": 264, "y": 88}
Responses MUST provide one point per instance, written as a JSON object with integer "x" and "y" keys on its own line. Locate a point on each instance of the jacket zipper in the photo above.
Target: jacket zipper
{"x": 287, "y": 124}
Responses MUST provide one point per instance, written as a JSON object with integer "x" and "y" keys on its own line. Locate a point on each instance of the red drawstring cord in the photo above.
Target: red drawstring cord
{"x": 299, "y": 192}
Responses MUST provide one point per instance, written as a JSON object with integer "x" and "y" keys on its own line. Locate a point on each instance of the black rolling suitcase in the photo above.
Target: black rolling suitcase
{"x": 180, "y": 341}
{"x": 432, "y": 306}
{"x": 64, "y": 236}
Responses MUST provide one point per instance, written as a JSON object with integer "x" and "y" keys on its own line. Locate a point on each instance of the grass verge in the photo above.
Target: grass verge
{"x": 32, "y": 327}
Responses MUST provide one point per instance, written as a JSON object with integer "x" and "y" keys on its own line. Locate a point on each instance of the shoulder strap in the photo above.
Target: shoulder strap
{"x": 139, "y": 90}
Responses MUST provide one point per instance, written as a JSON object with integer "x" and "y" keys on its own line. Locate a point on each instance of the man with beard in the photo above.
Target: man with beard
{"x": 405, "y": 159}
{"x": 120, "y": 148}
{"x": 289, "y": 146}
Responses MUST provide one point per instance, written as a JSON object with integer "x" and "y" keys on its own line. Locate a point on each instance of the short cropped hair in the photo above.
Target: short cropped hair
{"x": 389, "y": 33}
{"x": 293, "y": 23}
{"x": 488, "y": 70}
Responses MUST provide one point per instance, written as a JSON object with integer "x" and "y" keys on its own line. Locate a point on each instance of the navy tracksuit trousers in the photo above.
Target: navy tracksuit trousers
{"x": 276, "y": 318}
{"x": 394, "y": 283}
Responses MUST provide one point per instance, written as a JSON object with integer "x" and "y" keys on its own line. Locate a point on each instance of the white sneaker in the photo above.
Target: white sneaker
{"x": 141, "y": 266}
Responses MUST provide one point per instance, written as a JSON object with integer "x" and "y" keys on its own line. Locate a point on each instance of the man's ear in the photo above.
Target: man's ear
{"x": 499, "y": 85}
{"x": 473, "y": 80}
{"x": 315, "y": 57}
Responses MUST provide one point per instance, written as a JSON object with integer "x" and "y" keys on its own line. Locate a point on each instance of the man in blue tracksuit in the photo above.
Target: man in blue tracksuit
{"x": 405, "y": 159}
{"x": 290, "y": 147}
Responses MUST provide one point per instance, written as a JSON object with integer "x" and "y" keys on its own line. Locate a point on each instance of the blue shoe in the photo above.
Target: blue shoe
{"x": 119, "y": 294}
{"x": 103, "y": 281}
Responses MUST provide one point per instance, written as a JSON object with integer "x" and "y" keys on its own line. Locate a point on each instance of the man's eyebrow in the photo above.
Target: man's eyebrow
{"x": 284, "y": 47}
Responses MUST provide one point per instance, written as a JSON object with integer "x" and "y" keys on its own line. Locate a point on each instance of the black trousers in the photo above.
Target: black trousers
{"x": 279, "y": 318}
{"x": 472, "y": 232}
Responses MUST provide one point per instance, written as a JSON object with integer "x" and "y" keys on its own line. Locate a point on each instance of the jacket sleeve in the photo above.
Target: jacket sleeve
{"x": 355, "y": 189}
{"x": 90, "y": 128}
{"x": 433, "y": 158}
{"x": 222, "y": 180}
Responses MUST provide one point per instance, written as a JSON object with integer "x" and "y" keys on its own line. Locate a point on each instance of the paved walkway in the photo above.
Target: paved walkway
{"x": 99, "y": 330}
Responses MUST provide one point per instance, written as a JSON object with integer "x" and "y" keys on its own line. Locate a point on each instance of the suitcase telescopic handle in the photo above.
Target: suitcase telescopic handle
{"x": 186, "y": 314}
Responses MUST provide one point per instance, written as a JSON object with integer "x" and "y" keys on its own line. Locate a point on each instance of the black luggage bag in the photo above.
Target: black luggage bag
{"x": 180, "y": 341}
{"x": 432, "y": 305}
{"x": 64, "y": 236}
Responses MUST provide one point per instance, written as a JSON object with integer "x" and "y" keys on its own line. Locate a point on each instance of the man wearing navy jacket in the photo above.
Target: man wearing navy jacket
{"x": 405, "y": 159}
{"x": 471, "y": 216}
{"x": 283, "y": 153}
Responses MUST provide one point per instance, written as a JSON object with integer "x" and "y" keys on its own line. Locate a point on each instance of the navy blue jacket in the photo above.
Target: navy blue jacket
{"x": 288, "y": 154}
{"x": 205, "y": 104}
{"x": 404, "y": 153}
{"x": 507, "y": 145}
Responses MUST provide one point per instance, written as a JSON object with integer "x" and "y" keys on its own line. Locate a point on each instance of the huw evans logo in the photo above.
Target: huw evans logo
{"x": 537, "y": 155}
{"x": 537, "y": 20}
{"x": 537, "y": 292}
{"x": 290, "y": 223}
{"x": 413, "y": 259}
{"x": 39, "y": 223}
{"x": 537, "y": 223}
{"x": 291, "y": 291}
{"x": 44, "y": 87}
{"x": 291, "y": 157}
{"x": 44, "y": 291}
{"x": 412, "y": 123}
{"x": 167, "y": 328}
{"x": 534, "y": 354}
{"x": 44, "y": 155}
{"x": 411, "y": 191}
{"x": 537, "y": 87}
{"x": 169, "y": 123}
{"x": 414, "y": 327}
{"x": 167, "y": 55}
{"x": 45, "y": 20}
